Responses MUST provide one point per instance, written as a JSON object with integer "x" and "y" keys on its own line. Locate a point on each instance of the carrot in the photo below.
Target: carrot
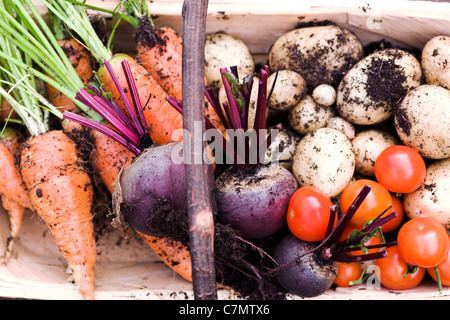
{"x": 14, "y": 196}
{"x": 81, "y": 60}
{"x": 163, "y": 119}
{"x": 110, "y": 158}
{"x": 62, "y": 194}
{"x": 160, "y": 52}
{"x": 11, "y": 184}
{"x": 173, "y": 253}
{"x": 60, "y": 191}
{"x": 6, "y": 112}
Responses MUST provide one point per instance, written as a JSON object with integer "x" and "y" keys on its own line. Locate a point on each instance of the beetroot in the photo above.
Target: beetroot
{"x": 254, "y": 200}
{"x": 252, "y": 197}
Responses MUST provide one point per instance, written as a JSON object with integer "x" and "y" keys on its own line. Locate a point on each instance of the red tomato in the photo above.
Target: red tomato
{"x": 378, "y": 200}
{"x": 423, "y": 242}
{"x": 400, "y": 169}
{"x": 444, "y": 271}
{"x": 372, "y": 241}
{"x": 347, "y": 272}
{"x": 392, "y": 270}
{"x": 394, "y": 223}
{"x": 308, "y": 214}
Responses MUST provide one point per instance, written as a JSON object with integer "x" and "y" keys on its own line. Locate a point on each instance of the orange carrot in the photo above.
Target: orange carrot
{"x": 81, "y": 60}
{"x": 7, "y": 112}
{"x": 14, "y": 196}
{"x": 110, "y": 158}
{"x": 173, "y": 253}
{"x": 62, "y": 194}
{"x": 160, "y": 52}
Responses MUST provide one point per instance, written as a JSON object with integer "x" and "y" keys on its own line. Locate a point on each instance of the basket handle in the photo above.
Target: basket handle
{"x": 201, "y": 222}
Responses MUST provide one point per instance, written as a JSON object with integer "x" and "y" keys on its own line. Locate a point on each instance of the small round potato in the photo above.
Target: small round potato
{"x": 324, "y": 158}
{"x": 422, "y": 121}
{"x": 342, "y": 125}
{"x": 321, "y": 54}
{"x": 432, "y": 198}
{"x": 283, "y": 147}
{"x": 436, "y": 61}
{"x": 324, "y": 94}
{"x": 224, "y": 51}
{"x": 289, "y": 89}
{"x": 367, "y": 146}
{"x": 368, "y": 92}
{"x": 307, "y": 115}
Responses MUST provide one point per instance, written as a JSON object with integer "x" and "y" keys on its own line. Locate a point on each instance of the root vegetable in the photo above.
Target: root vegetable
{"x": 254, "y": 201}
{"x": 321, "y": 54}
{"x": 308, "y": 115}
{"x": 422, "y": 121}
{"x": 367, "y": 146}
{"x": 435, "y": 57}
{"x": 289, "y": 90}
{"x": 368, "y": 92}
{"x": 324, "y": 158}
{"x": 223, "y": 50}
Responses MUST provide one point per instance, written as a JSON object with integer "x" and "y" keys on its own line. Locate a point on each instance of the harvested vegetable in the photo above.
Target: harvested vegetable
{"x": 308, "y": 269}
{"x": 251, "y": 197}
{"x": 49, "y": 163}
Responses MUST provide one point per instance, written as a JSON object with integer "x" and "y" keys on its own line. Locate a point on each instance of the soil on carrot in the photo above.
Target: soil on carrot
{"x": 146, "y": 35}
{"x": 101, "y": 207}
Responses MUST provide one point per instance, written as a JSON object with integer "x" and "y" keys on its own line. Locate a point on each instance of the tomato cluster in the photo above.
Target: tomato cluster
{"x": 422, "y": 243}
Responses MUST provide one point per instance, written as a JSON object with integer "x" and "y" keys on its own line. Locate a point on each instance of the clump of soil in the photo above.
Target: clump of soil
{"x": 385, "y": 81}
{"x": 147, "y": 36}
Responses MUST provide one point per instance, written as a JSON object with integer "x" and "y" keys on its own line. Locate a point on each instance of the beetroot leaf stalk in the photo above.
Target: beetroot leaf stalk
{"x": 132, "y": 133}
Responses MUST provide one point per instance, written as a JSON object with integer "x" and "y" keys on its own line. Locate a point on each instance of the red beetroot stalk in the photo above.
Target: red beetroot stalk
{"x": 124, "y": 97}
{"x": 129, "y": 136}
{"x": 134, "y": 94}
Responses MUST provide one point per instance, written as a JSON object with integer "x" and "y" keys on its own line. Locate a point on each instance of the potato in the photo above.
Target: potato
{"x": 342, "y": 125}
{"x": 367, "y": 146}
{"x": 324, "y": 158}
{"x": 283, "y": 147}
{"x": 368, "y": 92}
{"x": 307, "y": 115}
{"x": 324, "y": 94}
{"x": 289, "y": 89}
{"x": 321, "y": 54}
{"x": 224, "y": 51}
{"x": 422, "y": 121}
{"x": 436, "y": 61}
{"x": 432, "y": 198}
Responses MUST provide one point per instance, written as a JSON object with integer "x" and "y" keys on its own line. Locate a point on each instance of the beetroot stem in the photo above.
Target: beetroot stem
{"x": 216, "y": 105}
{"x": 135, "y": 96}
{"x": 101, "y": 128}
{"x": 110, "y": 117}
{"x": 343, "y": 222}
{"x": 123, "y": 95}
